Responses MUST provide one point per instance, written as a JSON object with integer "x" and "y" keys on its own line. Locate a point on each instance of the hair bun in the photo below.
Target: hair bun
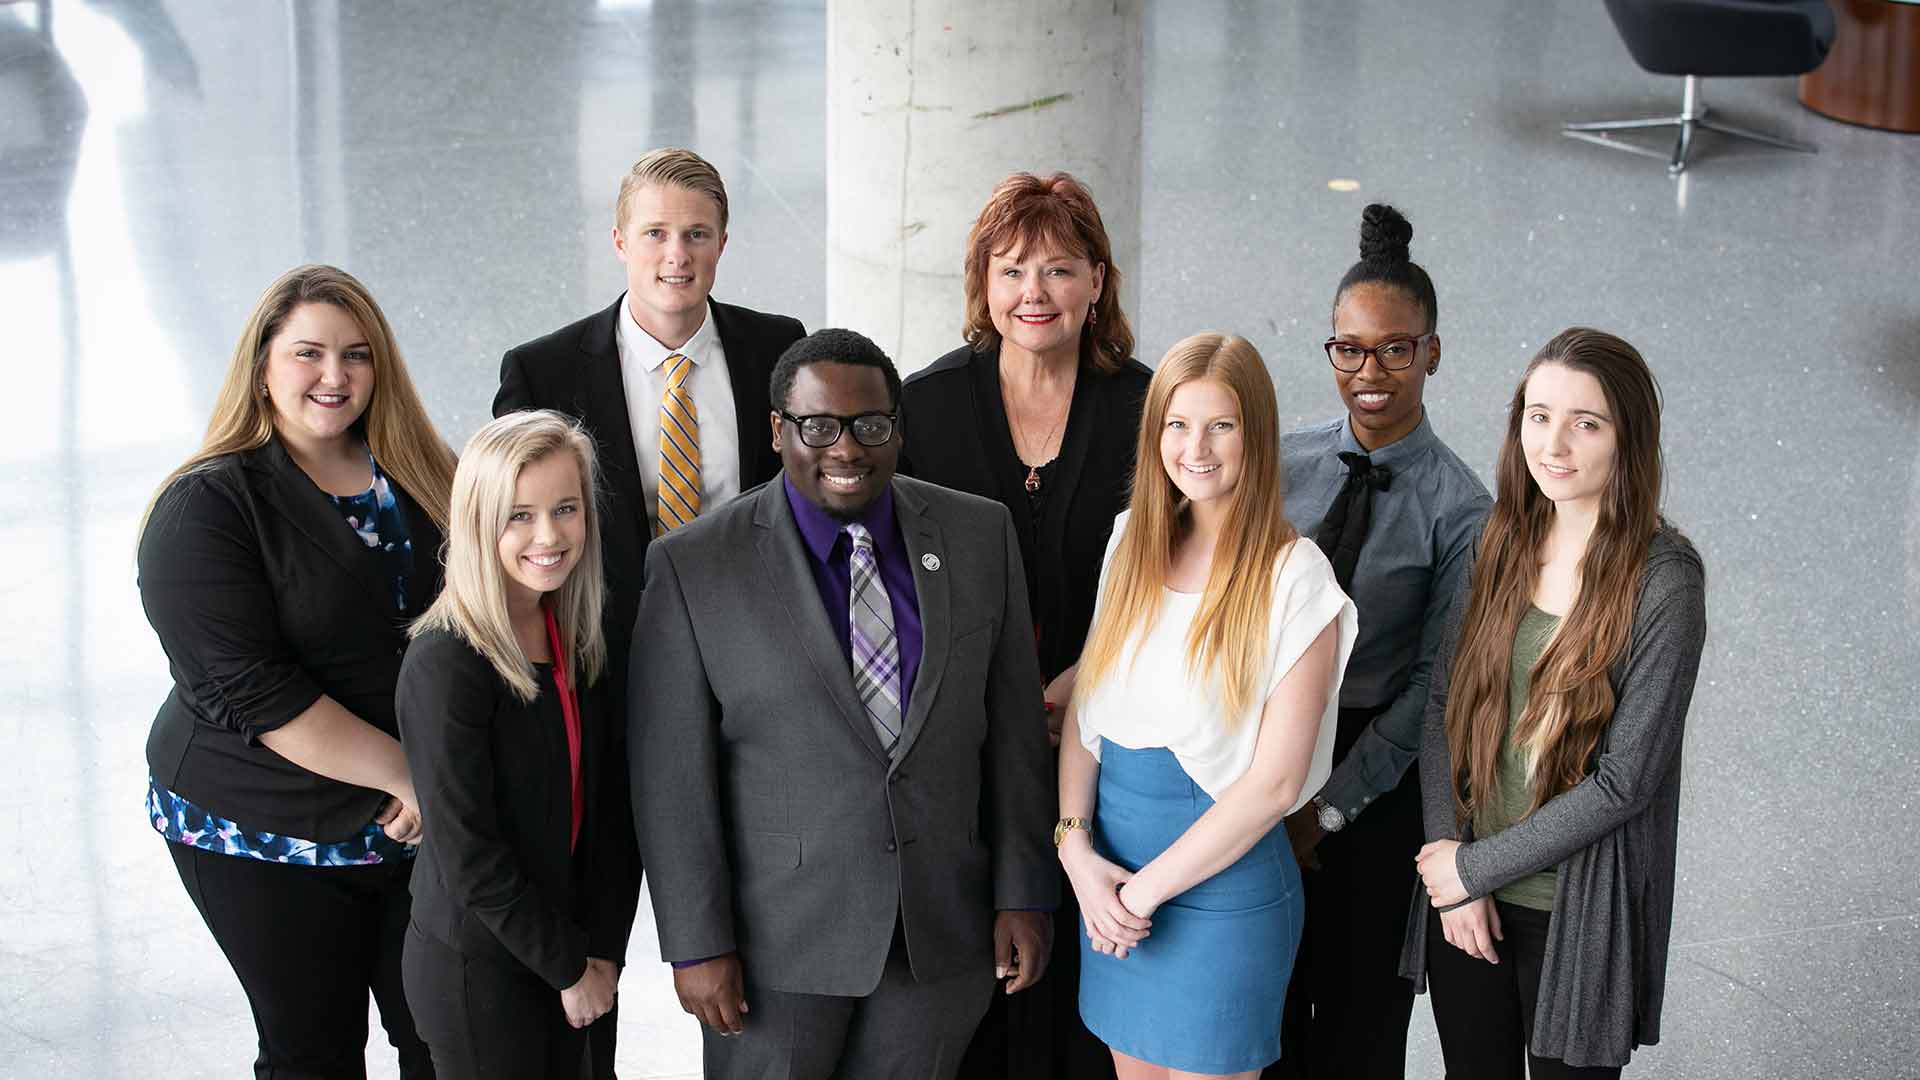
{"x": 1384, "y": 234}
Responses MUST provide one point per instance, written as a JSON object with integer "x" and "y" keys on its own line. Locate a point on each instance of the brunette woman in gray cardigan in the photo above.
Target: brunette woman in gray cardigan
{"x": 1550, "y": 771}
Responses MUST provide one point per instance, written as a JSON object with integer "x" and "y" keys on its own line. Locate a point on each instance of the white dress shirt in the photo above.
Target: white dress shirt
{"x": 643, "y": 373}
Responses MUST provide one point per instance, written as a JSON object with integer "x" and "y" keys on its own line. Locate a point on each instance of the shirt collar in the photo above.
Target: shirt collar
{"x": 821, "y": 530}
{"x": 641, "y": 348}
{"x": 1417, "y": 442}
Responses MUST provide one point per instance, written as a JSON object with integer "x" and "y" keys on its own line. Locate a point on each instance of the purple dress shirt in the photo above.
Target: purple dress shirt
{"x": 830, "y": 553}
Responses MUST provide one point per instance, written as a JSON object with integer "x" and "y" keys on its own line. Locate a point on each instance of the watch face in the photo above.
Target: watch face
{"x": 1331, "y": 819}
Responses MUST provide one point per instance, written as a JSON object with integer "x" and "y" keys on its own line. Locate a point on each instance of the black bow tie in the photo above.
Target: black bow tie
{"x": 1360, "y": 467}
{"x": 1345, "y": 528}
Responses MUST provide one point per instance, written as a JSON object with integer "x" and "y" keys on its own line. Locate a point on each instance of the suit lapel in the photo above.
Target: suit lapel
{"x": 300, "y": 501}
{"x": 783, "y": 559}
{"x": 423, "y": 538}
{"x": 924, "y": 539}
{"x": 750, "y": 400}
{"x": 603, "y": 404}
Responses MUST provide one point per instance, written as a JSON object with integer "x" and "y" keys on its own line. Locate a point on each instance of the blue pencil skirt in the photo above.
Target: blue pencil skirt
{"x": 1205, "y": 990}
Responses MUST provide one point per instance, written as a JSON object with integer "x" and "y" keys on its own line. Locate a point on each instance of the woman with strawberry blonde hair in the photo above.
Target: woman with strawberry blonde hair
{"x": 1202, "y": 713}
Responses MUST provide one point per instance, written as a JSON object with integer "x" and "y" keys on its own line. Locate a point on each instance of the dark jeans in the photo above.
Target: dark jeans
{"x": 308, "y": 944}
{"x": 1484, "y": 1012}
{"x": 488, "y": 1020}
{"x": 1347, "y": 1006}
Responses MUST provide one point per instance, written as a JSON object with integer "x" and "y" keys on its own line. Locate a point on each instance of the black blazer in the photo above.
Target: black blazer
{"x": 495, "y": 878}
{"x": 576, "y": 370}
{"x": 264, "y": 600}
{"x": 955, "y": 428}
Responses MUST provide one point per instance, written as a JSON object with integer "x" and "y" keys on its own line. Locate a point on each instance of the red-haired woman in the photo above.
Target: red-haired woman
{"x": 1038, "y": 410}
{"x": 1551, "y": 769}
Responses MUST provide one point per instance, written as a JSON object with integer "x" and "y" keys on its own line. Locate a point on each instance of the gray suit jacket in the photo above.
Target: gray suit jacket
{"x": 770, "y": 820}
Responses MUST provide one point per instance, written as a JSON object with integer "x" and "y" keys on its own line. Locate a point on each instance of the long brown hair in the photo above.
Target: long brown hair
{"x": 396, "y": 426}
{"x": 1055, "y": 212}
{"x": 473, "y": 605}
{"x": 1229, "y": 633}
{"x": 1570, "y": 699}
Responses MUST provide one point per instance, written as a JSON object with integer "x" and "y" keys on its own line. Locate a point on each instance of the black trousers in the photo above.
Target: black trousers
{"x": 308, "y": 944}
{"x": 601, "y": 1042}
{"x": 488, "y": 1020}
{"x": 1484, "y": 1012}
{"x": 1036, "y": 1034}
{"x": 1347, "y": 1006}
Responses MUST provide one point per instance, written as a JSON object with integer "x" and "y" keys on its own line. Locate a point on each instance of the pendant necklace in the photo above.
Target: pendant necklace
{"x": 1033, "y": 471}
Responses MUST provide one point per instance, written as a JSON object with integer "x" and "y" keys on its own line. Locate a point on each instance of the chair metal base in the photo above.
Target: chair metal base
{"x": 1694, "y": 115}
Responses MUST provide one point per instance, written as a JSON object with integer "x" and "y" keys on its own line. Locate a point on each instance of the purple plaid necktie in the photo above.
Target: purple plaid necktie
{"x": 875, "y": 651}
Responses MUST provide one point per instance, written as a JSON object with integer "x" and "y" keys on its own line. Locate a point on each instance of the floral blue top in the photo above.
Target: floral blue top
{"x": 376, "y": 516}
{"x": 179, "y": 820}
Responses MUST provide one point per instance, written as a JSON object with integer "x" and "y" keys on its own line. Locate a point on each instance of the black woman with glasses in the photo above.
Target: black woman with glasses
{"x": 1039, "y": 411}
{"x": 1397, "y": 512}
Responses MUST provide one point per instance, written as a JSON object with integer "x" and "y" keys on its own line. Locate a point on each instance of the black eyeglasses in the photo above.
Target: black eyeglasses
{"x": 1393, "y": 354}
{"x": 823, "y": 429}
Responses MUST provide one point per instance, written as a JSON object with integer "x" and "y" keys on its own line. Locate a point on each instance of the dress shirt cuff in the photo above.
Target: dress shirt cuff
{"x": 1347, "y": 790}
{"x": 678, "y": 964}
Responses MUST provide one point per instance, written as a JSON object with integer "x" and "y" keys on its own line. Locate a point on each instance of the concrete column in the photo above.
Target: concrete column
{"x": 929, "y": 104}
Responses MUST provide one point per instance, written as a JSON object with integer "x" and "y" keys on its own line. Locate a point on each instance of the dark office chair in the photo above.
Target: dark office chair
{"x": 1713, "y": 38}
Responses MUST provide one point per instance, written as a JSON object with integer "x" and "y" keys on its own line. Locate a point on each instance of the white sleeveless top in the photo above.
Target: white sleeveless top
{"x": 1152, "y": 700}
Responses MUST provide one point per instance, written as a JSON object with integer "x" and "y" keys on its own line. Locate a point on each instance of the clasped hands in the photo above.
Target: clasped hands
{"x": 1471, "y": 928}
{"x": 1117, "y": 915}
{"x": 399, "y": 817}
{"x": 589, "y": 999}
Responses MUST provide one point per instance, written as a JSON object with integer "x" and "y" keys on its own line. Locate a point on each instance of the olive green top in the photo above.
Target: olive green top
{"x": 1515, "y": 784}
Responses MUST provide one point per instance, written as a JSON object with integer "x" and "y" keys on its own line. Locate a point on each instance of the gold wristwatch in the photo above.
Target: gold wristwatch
{"x": 1067, "y": 825}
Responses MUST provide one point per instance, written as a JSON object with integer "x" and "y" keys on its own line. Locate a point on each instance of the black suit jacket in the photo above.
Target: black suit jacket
{"x": 576, "y": 370}
{"x": 956, "y": 434}
{"x": 264, "y": 600}
{"x": 495, "y": 878}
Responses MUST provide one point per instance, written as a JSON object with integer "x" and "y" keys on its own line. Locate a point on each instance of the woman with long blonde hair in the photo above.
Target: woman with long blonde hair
{"x": 279, "y": 566}
{"x": 1201, "y": 715}
{"x": 517, "y": 934}
{"x": 1551, "y": 768}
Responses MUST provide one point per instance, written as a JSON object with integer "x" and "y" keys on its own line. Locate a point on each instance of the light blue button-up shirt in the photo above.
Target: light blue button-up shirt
{"x": 1419, "y": 546}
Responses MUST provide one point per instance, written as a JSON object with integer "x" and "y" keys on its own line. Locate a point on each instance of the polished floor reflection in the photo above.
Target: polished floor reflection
{"x": 160, "y": 162}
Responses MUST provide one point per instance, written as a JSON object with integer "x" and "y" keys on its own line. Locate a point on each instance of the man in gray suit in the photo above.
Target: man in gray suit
{"x": 839, "y": 755}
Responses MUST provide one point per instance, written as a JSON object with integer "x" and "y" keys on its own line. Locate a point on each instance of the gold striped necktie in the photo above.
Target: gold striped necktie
{"x": 679, "y": 448}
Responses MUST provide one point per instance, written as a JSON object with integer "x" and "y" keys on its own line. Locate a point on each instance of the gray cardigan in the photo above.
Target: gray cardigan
{"x": 1611, "y": 837}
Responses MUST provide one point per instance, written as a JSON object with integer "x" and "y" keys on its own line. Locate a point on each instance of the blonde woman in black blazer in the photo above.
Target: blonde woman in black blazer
{"x": 279, "y": 567}
{"x": 524, "y": 891}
